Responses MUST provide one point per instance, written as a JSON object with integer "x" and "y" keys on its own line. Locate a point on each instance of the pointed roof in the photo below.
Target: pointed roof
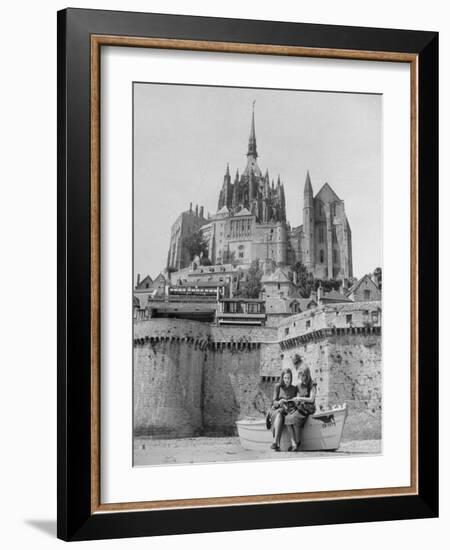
{"x": 326, "y": 194}
{"x": 359, "y": 283}
{"x": 244, "y": 212}
{"x": 308, "y": 187}
{"x": 146, "y": 282}
{"x": 335, "y": 296}
{"x": 278, "y": 276}
{"x": 160, "y": 279}
{"x": 222, "y": 212}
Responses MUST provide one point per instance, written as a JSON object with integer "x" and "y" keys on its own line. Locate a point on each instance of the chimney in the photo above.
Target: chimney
{"x": 138, "y": 279}
{"x": 196, "y": 209}
{"x": 201, "y": 211}
{"x": 190, "y": 207}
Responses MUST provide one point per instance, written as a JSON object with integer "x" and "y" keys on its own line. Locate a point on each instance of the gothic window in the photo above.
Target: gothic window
{"x": 322, "y": 257}
{"x": 335, "y": 256}
{"x": 375, "y": 317}
{"x": 366, "y": 294}
{"x": 348, "y": 319}
{"x": 241, "y": 254}
{"x": 308, "y": 324}
{"x": 334, "y": 234}
{"x": 321, "y": 234}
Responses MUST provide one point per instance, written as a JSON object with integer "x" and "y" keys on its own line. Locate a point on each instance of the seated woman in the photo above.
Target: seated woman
{"x": 284, "y": 410}
{"x": 305, "y": 400}
{"x": 291, "y": 406}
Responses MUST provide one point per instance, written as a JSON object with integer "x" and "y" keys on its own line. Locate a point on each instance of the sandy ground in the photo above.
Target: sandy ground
{"x": 226, "y": 449}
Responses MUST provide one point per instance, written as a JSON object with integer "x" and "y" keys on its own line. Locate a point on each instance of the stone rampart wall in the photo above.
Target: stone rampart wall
{"x": 193, "y": 378}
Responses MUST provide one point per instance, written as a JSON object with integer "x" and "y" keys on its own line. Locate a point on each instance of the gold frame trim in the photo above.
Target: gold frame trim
{"x": 97, "y": 41}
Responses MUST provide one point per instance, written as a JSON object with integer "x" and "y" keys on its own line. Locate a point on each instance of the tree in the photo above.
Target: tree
{"x": 378, "y": 275}
{"x": 328, "y": 284}
{"x": 251, "y": 286}
{"x": 196, "y": 245}
{"x": 305, "y": 280}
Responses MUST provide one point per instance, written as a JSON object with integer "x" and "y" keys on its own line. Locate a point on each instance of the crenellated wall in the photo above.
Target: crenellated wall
{"x": 194, "y": 378}
{"x": 168, "y": 388}
{"x": 346, "y": 365}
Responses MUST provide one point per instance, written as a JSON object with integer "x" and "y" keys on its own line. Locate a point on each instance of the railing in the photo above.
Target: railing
{"x": 191, "y": 298}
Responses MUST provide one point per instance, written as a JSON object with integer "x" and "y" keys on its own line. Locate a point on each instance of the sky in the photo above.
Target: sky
{"x": 185, "y": 135}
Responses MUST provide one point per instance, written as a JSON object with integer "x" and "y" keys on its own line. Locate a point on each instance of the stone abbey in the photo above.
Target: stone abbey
{"x": 250, "y": 224}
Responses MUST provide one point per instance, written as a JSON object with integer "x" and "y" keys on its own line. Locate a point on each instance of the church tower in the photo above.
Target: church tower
{"x": 308, "y": 225}
{"x": 225, "y": 193}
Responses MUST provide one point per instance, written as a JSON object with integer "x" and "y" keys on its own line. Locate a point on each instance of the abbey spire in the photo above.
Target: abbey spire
{"x": 252, "y": 154}
{"x": 252, "y": 138}
{"x": 251, "y": 190}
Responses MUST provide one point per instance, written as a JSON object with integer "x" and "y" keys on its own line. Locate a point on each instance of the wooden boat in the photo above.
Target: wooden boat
{"x": 322, "y": 432}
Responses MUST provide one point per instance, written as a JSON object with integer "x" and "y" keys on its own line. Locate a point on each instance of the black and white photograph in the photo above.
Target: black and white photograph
{"x": 257, "y": 294}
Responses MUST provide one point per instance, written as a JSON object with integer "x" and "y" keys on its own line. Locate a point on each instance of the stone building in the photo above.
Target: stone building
{"x": 188, "y": 222}
{"x": 250, "y": 224}
{"x": 324, "y": 241}
{"x": 365, "y": 289}
{"x": 146, "y": 290}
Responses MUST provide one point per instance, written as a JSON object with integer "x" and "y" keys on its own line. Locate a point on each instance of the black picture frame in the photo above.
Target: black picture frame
{"x": 76, "y": 519}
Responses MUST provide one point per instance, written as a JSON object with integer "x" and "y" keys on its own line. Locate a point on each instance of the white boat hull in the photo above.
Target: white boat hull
{"x": 322, "y": 432}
